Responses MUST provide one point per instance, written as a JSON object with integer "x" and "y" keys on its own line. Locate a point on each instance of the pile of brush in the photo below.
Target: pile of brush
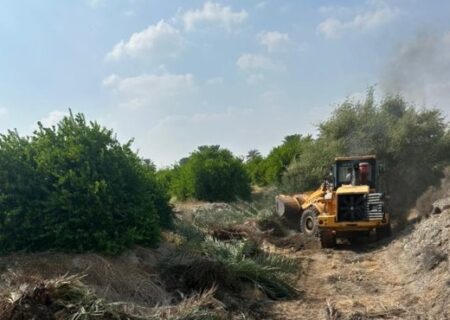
{"x": 68, "y": 298}
{"x": 202, "y": 262}
{"x": 61, "y": 298}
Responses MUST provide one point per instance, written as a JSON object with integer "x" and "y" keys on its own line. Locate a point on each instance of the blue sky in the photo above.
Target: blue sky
{"x": 178, "y": 74}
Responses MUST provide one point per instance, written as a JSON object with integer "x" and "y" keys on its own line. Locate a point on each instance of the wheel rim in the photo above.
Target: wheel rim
{"x": 309, "y": 224}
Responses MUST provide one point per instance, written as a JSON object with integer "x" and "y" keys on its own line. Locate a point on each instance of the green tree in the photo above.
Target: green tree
{"x": 74, "y": 187}
{"x": 311, "y": 168}
{"x": 254, "y": 168}
{"x": 413, "y": 144}
{"x": 281, "y": 156}
{"x": 212, "y": 174}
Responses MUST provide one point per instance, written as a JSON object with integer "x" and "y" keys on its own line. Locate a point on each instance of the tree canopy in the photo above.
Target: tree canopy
{"x": 210, "y": 173}
{"x": 414, "y": 145}
{"x": 74, "y": 187}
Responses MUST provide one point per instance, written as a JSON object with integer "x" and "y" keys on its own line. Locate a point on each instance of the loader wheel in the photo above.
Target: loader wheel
{"x": 327, "y": 239}
{"x": 308, "y": 222}
{"x": 383, "y": 232}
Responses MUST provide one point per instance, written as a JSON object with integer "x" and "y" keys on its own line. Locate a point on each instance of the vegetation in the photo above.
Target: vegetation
{"x": 68, "y": 297}
{"x": 413, "y": 144}
{"x": 203, "y": 261}
{"x": 280, "y": 157}
{"x": 74, "y": 187}
{"x": 211, "y": 174}
{"x": 253, "y": 167}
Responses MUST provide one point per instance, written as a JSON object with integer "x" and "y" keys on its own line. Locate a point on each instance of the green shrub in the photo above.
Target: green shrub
{"x": 211, "y": 174}
{"x": 74, "y": 187}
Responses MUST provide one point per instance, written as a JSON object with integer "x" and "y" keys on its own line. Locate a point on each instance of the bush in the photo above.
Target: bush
{"x": 74, "y": 187}
{"x": 211, "y": 174}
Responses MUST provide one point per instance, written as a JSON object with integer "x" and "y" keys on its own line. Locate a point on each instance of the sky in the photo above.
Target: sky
{"x": 175, "y": 75}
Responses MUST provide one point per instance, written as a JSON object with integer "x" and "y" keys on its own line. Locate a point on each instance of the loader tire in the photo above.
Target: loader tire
{"x": 309, "y": 222}
{"x": 383, "y": 232}
{"x": 327, "y": 239}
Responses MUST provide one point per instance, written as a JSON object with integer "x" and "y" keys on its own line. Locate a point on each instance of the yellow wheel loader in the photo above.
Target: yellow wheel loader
{"x": 349, "y": 205}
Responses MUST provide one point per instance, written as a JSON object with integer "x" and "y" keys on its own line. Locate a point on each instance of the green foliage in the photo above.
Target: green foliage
{"x": 280, "y": 157}
{"x": 253, "y": 167}
{"x": 74, "y": 187}
{"x": 211, "y": 174}
{"x": 413, "y": 144}
{"x": 310, "y": 168}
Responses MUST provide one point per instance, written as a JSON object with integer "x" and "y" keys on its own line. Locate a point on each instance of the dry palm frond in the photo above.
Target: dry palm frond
{"x": 68, "y": 298}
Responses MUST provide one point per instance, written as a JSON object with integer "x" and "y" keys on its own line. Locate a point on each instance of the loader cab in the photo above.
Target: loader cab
{"x": 355, "y": 171}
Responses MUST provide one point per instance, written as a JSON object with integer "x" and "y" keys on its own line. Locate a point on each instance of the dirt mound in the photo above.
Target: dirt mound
{"x": 436, "y": 198}
{"x": 422, "y": 253}
{"x": 428, "y": 242}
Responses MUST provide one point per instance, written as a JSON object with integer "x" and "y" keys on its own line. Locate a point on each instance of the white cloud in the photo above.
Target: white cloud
{"x": 248, "y": 61}
{"x": 160, "y": 39}
{"x": 151, "y": 90}
{"x": 274, "y": 40}
{"x": 334, "y": 28}
{"x": 213, "y": 13}
{"x": 53, "y": 118}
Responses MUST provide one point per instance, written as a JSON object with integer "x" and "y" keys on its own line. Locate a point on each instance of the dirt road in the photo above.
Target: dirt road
{"x": 404, "y": 277}
{"x": 355, "y": 283}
